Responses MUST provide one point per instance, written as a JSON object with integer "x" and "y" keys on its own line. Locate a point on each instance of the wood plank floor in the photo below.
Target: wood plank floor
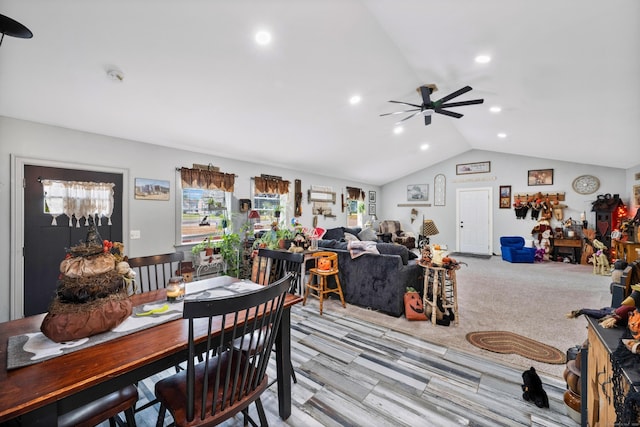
{"x": 354, "y": 373}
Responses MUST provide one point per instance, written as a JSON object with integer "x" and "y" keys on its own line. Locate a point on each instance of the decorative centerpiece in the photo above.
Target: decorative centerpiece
{"x": 92, "y": 294}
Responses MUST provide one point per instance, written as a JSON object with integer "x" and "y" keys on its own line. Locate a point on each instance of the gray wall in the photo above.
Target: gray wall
{"x": 156, "y": 220}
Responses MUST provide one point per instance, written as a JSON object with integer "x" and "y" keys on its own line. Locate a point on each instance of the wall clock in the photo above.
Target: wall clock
{"x": 586, "y": 184}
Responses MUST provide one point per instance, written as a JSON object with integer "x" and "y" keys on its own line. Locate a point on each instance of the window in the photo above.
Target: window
{"x": 204, "y": 213}
{"x": 271, "y": 207}
{"x": 206, "y": 204}
{"x": 355, "y": 213}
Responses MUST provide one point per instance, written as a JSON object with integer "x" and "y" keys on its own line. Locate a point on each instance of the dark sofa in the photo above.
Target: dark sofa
{"x": 378, "y": 282}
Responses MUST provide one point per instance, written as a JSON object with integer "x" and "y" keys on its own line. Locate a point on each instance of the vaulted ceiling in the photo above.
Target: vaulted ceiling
{"x": 565, "y": 73}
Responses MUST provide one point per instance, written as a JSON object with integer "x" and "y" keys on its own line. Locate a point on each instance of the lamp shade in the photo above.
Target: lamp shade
{"x": 429, "y": 228}
{"x": 254, "y": 214}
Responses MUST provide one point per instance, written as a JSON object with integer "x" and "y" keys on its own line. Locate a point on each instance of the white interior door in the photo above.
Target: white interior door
{"x": 473, "y": 216}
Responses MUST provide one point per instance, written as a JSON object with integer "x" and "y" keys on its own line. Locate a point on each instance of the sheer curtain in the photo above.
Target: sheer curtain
{"x": 79, "y": 199}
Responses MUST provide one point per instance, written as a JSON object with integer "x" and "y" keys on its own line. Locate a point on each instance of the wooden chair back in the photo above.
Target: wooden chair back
{"x": 271, "y": 265}
{"x": 227, "y": 381}
{"x": 153, "y": 272}
{"x": 631, "y": 276}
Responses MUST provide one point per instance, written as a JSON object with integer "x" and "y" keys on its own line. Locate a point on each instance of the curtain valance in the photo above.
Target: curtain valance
{"x": 271, "y": 185}
{"x": 355, "y": 193}
{"x": 206, "y": 179}
{"x": 79, "y": 199}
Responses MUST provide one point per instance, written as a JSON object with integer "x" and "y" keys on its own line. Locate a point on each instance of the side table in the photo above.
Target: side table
{"x": 443, "y": 283}
{"x": 574, "y": 244}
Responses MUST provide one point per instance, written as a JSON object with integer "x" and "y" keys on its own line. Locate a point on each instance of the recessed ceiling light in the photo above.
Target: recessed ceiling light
{"x": 263, "y": 38}
{"x": 424, "y": 147}
{"x": 495, "y": 109}
{"x": 355, "y": 99}
{"x": 398, "y": 129}
{"x": 483, "y": 59}
{"x": 502, "y": 135}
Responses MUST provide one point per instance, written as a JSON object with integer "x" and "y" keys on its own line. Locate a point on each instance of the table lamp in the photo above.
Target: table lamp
{"x": 428, "y": 229}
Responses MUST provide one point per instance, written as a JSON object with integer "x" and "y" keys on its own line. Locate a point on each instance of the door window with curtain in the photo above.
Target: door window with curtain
{"x": 270, "y": 200}
{"x": 206, "y": 204}
{"x": 355, "y": 207}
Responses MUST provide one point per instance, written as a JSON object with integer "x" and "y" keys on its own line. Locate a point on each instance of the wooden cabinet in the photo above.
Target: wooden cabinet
{"x": 626, "y": 250}
{"x": 599, "y": 393}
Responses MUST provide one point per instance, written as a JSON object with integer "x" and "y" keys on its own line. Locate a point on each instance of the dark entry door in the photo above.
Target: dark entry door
{"x": 45, "y": 244}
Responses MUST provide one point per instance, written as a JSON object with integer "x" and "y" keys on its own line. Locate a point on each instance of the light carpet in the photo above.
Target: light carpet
{"x": 526, "y": 299}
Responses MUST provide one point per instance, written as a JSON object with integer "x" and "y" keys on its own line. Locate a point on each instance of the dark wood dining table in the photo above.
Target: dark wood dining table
{"x": 36, "y": 392}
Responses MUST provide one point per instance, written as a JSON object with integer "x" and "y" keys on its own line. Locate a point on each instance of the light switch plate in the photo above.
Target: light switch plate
{"x": 134, "y": 234}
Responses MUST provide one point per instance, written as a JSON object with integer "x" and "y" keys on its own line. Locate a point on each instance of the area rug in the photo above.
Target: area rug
{"x": 469, "y": 254}
{"x": 510, "y": 343}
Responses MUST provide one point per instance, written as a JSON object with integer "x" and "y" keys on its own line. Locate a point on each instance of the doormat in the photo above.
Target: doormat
{"x": 471, "y": 255}
{"x": 509, "y": 343}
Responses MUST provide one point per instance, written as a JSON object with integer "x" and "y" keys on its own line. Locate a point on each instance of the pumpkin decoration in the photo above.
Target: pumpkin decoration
{"x": 324, "y": 264}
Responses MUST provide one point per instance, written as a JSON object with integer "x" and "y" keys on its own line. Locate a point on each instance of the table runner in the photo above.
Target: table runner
{"x": 28, "y": 349}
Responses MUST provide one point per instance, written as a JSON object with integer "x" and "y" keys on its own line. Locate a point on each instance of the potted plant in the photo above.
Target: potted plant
{"x": 284, "y": 237}
{"x": 204, "y": 249}
{"x": 230, "y": 250}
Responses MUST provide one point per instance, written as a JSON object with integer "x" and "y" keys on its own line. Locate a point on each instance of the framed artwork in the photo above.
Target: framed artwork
{"x": 478, "y": 167}
{"x": 636, "y": 195}
{"x": 505, "y": 196}
{"x": 540, "y": 177}
{"x": 372, "y": 208}
{"x": 151, "y": 189}
{"x": 372, "y": 196}
{"x": 417, "y": 192}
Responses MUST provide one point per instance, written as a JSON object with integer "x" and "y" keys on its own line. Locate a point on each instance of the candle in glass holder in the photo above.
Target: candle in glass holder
{"x": 175, "y": 289}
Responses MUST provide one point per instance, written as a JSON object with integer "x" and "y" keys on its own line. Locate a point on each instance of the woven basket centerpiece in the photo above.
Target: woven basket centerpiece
{"x": 92, "y": 293}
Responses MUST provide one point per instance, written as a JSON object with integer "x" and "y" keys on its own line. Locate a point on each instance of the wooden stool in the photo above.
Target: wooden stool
{"x": 325, "y": 265}
{"x": 443, "y": 286}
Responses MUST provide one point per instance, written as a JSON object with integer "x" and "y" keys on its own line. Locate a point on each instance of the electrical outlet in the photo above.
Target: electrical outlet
{"x": 134, "y": 234}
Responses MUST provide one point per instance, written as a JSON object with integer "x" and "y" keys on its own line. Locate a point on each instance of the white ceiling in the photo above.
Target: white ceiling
{"x": 566, "y": 73}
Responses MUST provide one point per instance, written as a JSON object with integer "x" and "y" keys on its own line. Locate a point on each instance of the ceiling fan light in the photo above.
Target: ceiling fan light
{"x": 427, "y": 112}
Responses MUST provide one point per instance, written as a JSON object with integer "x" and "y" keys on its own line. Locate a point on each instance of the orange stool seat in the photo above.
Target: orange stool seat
{"x": 325, "y": 266}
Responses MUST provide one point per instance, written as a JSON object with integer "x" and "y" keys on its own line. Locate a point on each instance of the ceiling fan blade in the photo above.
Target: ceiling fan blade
{"x": 399, "y": 112}
{"x": 407, "y": 103}
{"x": 408, "y": 117}
{"x": 453, "y": 95}
{"x": 426, "y": 95}
{"x": 450, "y": 113}
{"x": 461, "y": 103}
{"x": 427, "y": 120}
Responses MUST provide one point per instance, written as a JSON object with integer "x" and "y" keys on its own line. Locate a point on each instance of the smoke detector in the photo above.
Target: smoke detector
{"x": 115, "y": 75}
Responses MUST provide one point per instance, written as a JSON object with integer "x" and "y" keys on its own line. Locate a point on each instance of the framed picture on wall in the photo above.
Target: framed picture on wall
{"x": 636, "y": 195}
{"x": 540, "y": 177}
{"x": 151, "y": 189}
{"x": 372, "y": 208}
{"x": 417, "y": 192}
{"x": 478, "y": 167}
{"x": 372, "y": 196}
{"x": 505, "y": 196}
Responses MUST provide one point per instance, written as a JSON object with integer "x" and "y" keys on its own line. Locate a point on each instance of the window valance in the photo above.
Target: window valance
{"x": 355, "y": 193}
{"x": 79, "y": 199}
{"x": 210, "y": 180}
{"x": 271, "y": 185}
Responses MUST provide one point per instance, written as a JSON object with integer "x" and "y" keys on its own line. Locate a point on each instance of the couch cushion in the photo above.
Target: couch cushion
{"x": 368, "y": 234}
{"x": 332, "y": 244}
{"x": 394, "y": 249}
{"x": 355, "y": 230}
{"x": 334, "y": 234}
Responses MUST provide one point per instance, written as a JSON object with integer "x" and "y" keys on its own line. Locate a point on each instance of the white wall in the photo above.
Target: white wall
{"x": 506, "y": 169}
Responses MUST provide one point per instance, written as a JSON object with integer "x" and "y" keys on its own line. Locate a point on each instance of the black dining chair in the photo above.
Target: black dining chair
{"x": 101, "y": 409}
{"x": 272, "y": 265}
{"x": 227, "y": 381}
{"x": 153, "y": 272}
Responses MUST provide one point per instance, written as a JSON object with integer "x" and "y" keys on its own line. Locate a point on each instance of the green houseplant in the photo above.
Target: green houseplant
{"x": 229, "y": 250}
{"x": 207, "y": 245}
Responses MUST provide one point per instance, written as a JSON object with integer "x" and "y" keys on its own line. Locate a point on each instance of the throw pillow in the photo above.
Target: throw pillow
{"x": 350, "y": 237}
{"x": 368, "y": 234}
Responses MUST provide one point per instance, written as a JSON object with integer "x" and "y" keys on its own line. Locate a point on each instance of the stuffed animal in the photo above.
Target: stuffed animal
{"x": 532, "y": 389}
{"x": 543, "y": 246}
{"x": 599, "y": 259}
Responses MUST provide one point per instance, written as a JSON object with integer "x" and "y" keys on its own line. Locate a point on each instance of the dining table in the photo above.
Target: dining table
{"x": 35, "y": 394}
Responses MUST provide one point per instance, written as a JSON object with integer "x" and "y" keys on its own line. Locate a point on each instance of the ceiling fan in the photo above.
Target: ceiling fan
{"x": 428, "y": 107}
